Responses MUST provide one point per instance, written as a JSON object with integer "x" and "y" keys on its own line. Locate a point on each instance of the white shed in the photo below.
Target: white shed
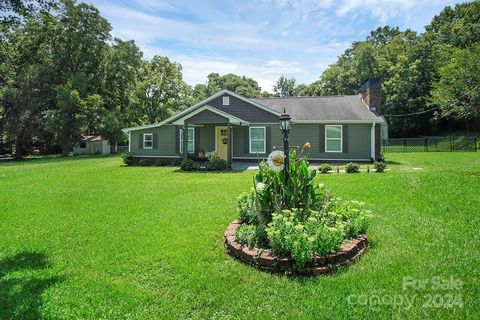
{"x": 92, "y": 145}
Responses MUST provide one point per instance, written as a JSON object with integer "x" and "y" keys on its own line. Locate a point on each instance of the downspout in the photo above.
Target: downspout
{"x": 129, "y": 141}
{"x": 372, "y": 142}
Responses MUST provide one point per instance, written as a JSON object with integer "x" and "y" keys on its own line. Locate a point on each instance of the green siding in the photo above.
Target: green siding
{"x": 165, "y": 145}
{"x": 240, "y": 144}
{"x": 207, "y": 117}
{"x": 358, "y": 139}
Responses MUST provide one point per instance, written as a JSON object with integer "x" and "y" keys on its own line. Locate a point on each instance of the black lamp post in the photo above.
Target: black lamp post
{"x": 285, "y": 125}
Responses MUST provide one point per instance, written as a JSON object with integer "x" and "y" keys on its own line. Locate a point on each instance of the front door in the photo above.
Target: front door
{"x": 221, "y": 142}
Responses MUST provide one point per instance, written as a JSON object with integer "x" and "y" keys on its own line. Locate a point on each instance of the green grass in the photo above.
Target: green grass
{"x": 88, "y": 238}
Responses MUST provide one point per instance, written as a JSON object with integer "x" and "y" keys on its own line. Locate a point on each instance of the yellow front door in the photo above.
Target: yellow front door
{"x": 221, "y": 142}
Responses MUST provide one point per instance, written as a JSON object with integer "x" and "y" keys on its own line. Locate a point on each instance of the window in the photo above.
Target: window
{"x": 333, "y": 138}
{"x": 148, "y": 141}
{"x": 83, "y": 145}
{"x": 226, "y": 101}
{"x": 191, "y": 140}
{"x": 257, "y": 139}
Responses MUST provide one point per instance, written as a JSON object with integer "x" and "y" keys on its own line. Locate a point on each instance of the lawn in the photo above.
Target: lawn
{"x": 88, "y": 238}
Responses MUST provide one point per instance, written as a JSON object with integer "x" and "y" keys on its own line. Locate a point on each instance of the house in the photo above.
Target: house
{"x": 339, "y": 128}
{"x": 92, "y": 145}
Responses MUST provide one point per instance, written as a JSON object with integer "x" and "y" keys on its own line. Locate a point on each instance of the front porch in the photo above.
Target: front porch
{"x": 213, "y": 132}
{"x": 205, "y": 139}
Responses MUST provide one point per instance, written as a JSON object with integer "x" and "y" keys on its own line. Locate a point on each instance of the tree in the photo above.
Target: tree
{"x": 285, "y": 87}
{"x": 239, "y": 84}
{"x": 25, "y": 77}
{"x": 122, "y": 65}
{"x": 15, "y": 10}
{"x": 78, "y": 43}
{"x": 302, "y": 90}
{"x": 161, "y": 90}
{"x": 383, "y": 35}
{"x": 457, "y": 26}
{"x": 457, "y": 92}
{"x": 199, "y": 93}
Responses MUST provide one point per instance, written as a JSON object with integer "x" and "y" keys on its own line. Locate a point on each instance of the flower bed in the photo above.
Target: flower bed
{"x": 296, "y": 222}
{"x": 265, "y": 260}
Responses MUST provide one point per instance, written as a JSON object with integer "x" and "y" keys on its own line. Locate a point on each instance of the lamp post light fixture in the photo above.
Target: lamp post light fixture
{"x": 285, "y": 125}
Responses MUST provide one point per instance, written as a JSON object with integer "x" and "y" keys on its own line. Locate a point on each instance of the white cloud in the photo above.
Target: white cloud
{"x": 384, "y": 10}
{"x": 260, "y": 39}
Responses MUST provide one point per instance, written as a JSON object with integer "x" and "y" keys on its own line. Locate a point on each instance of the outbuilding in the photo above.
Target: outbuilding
{"x": 92, "y": 145}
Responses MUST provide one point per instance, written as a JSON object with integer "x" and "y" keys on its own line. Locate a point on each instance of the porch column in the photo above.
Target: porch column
{"x": 372, "y": 142}
{"x": 229, "y": 145}
{"x": 185, "y": 141}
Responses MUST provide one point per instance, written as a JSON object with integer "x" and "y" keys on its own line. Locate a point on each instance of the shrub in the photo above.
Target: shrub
{"x": 354, "y": 216}
{"x": 380, "y": 166}
{"x": 247, "y": 209}
{"x": 160, "y": 162}
{"x": 352, "y": 168}
{"x": 246, "y": 235}
{"x": 187, "y": 165}
{"x": 217, "y": 165}
{"x": 128, "y": 159}
{"x": 325, "y": 168}
{"x": 300, "y": 219}
{"x": 287, "y": 234}
{"x": 176, "y": 162}
{"x": 145, "y": 162}
{"x": 268, "y": 192}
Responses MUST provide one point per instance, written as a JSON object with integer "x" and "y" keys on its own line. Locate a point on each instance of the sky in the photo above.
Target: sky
{"x": 261, "y": 39}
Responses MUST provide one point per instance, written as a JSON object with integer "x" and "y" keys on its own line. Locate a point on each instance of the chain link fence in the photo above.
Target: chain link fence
{"x": 431, "y": 144}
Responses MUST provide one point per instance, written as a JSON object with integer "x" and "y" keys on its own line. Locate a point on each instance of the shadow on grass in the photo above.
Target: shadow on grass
{"x": 392, "y": 162}
{"x": 21, "y": 296}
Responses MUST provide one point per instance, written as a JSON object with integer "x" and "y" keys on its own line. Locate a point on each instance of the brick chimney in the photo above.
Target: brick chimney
{"x": 371, "y": 94}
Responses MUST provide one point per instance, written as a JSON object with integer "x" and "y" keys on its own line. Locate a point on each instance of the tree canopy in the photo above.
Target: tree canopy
{"x": 62, "y": 76}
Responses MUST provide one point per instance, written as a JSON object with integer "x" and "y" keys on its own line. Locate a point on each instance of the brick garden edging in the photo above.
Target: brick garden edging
{"x": 265, "y": 260}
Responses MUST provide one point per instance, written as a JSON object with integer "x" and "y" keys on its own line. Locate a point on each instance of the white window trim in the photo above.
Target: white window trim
{"x": 226, "y": 100}
{"x": 144, "y": 140}
{"x": 181, "y": 140}
{"x": 250, "y": 140}
{"x": 327, "y": 138}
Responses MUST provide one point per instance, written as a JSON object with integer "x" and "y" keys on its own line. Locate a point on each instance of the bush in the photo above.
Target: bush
{"x": 160, "y": 162}
{"x": 187, "y": 165}
{"x": 247, "y": 235}
{"x": 128, "y": 159}
{"x": 287, "y": 234}
{"x": 325, "y": 168}
{"x": 176, "y": 162}
{"x": 246, "y": 208}
{"x": 380, "y": 166}
{"x": 217, "y": 165}
{"x": 145, "y": 162}
{"x": 354, "y": 216}
{"x": 352, "y": 168}
{"x": 300, "y": 219}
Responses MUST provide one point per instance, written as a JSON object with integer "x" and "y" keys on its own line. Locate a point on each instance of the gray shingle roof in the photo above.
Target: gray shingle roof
{"x": 321, "y": 108}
